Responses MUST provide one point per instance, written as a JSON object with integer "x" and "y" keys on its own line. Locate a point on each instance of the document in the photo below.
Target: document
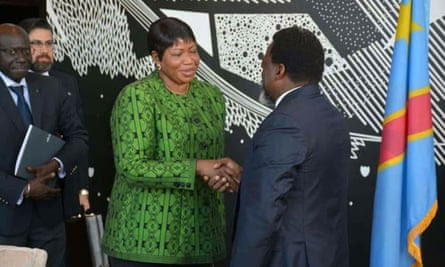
{"x": 38, "y": 147}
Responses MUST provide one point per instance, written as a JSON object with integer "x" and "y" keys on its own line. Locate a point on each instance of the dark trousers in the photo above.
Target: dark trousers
{"x": 52, "y": 239}
{"x": 114, "y": 262}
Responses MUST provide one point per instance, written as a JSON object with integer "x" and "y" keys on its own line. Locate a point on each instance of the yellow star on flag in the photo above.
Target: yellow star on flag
{"x": 405, "y": 25}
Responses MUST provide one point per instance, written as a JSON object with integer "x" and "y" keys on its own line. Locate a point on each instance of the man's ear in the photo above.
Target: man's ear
{"x": 280, "y": 71}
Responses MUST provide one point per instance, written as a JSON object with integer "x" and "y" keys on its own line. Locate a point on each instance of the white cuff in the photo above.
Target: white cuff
{"x": 20, "y": 201}
{"x": 61, "y": 172}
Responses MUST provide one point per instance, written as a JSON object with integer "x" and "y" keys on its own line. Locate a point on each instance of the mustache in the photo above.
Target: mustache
{"x": 43, "y": 56}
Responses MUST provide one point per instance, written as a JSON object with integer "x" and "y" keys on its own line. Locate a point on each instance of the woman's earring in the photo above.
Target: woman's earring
{"x": 158, "y": 66}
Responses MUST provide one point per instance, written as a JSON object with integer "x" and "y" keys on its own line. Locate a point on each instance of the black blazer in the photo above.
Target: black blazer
{"x": 53, "y": 111}
{"x": 78, "y": 178}
{"x": 293, "y": 194}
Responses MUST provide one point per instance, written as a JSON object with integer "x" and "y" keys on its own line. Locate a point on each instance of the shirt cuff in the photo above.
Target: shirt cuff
{"x": 61, "y": 171}
{"x": 84, "y": 192}
{"x": 20, "y": 201}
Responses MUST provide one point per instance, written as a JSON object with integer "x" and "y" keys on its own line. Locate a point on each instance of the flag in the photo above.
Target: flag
{"x": 405, "y": 200}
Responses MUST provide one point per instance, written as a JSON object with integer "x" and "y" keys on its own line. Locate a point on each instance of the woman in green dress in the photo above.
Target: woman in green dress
{"x": 168, "y": 140}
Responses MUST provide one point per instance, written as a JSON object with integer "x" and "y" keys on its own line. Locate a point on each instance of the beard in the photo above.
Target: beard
{"x": 265, "y": 98}
{"x": 41, "y": 67}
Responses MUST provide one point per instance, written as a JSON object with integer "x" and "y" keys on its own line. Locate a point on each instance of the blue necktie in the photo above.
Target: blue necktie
{"x": 21, "y": 104}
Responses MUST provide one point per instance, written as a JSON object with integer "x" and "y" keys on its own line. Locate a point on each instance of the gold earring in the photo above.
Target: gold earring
{"x": 158, "y": 66}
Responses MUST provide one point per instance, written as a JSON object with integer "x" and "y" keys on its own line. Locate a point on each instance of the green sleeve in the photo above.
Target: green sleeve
{"x": 134, "y": 144}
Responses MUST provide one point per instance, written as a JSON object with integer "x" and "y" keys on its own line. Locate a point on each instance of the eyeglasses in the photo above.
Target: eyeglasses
{"x": 39, "y": 44}
{"x": 16, "y": 51}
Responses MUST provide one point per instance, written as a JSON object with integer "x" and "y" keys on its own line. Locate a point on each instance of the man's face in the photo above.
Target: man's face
{"x": 41, "y": 49}
{"x": 15, "y": 53}
{"x": 267, "y": 75}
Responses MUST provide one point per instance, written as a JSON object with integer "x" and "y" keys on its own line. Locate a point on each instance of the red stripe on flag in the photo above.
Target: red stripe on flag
{"x": 393, "y": 139}
{"x": 419, "y": 114}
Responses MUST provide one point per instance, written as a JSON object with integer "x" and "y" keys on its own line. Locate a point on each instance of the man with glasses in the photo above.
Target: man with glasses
{"x": 75, "y": 186}
{"x": 31, "y": 212}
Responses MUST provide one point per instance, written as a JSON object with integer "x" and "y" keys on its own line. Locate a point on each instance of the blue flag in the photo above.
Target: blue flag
{"x": 405, "y": 200}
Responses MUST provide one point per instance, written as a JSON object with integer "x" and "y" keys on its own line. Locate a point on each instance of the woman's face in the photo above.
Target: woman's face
{"x": 180, "y": 61}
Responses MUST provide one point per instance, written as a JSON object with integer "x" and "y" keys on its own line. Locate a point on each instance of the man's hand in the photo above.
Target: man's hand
{"x": 46, "y": 170}
{"x": 83, "y": 200}
{"x": 226, "y": 175}
{"x": 38, "y": 186}
{"x": 39, "y": 189}
{"x": 220, "y": 184}
{"x": 206, "y": 169}
{"x": 232, "y": 168}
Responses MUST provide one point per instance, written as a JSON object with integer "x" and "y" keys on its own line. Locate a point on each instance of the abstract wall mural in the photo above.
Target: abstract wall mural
{"x": 103, "y": 41}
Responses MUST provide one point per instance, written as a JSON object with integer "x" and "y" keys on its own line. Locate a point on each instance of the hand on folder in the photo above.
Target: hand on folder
{"x": 43, "y": 174}
{"x": 48, "y": 169}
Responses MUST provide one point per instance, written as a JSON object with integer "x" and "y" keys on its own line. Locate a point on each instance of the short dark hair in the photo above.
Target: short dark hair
{"x": 31, "y": 24}
{"x": 300, "y": 52}
{"x": 165, "y": 32}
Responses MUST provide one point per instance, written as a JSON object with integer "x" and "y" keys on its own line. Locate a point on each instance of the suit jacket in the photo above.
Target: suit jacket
{"x": 53, "y": 111}
{"x": 293, "y": 194}
{"x": 78, "y": 178}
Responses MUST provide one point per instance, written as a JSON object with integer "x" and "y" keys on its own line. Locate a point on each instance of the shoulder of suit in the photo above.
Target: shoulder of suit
{"x": 63, "y": 76}
{"x": 45, "y": 83}
{"x": 41, "y": 79}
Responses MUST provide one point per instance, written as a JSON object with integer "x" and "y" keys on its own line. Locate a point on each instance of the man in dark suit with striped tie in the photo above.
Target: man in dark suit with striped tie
{"x": 31, "y": 212}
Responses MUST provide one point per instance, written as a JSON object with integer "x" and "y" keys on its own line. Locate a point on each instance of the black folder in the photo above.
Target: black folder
{"x": 38, "y": 147}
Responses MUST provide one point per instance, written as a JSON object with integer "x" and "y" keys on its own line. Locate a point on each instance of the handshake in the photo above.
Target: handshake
{"x": 223, "y": 175}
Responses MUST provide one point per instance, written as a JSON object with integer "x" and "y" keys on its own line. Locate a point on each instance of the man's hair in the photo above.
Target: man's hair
{"x": 300, "y": 52}
{"x": 31, "y": 24}
{"x": 165, "y": 32}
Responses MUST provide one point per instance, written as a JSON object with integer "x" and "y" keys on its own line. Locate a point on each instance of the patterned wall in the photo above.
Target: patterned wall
{"x": 103, "y": 41}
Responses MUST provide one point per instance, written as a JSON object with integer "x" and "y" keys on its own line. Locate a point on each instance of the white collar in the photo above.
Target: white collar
{"x": 280, "y": 98}
{"x": 46, "y": 73}
{"x": 10, "y": 82}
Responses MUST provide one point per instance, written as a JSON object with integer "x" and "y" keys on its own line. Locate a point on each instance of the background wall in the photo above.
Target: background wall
{"x": 103, "y": 42}
{"x": 13, "y": 11}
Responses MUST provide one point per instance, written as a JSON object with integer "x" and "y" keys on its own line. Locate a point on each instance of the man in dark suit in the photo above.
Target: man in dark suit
{"x": 31, "y": 212}
{"x": 75, "y": 186}
{"x": 293, "y": 194}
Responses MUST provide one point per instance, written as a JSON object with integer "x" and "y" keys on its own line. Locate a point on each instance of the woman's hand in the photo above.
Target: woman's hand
{"x": 220, "y": 184}
{"x": 204, "y": 167}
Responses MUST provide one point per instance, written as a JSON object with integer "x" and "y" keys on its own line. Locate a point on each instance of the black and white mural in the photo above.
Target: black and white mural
{"x": 103, "y": 41}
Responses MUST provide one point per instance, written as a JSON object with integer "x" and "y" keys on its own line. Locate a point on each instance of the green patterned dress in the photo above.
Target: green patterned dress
{"x": 160, "y": 211}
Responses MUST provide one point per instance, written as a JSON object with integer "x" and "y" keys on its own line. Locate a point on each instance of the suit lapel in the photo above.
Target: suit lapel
{"x": 36, "y": 101}
{"x": 8, "y": 106}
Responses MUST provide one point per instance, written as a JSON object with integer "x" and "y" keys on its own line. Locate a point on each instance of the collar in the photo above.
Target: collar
{"x": 277, "y": 102}
{"x": 9, "y": 82}
{"x": 46, "y": 73}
